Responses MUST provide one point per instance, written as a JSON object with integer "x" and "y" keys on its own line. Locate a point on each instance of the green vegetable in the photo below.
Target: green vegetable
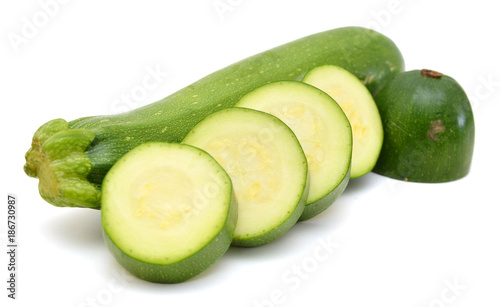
{"x": 322, "y": 129}
{"x": 428, "y": 128}
{"x": 360, "y": 109}
{"x": 71, "y": 159}
{"x": 267, "y": 167}
{"x": 168, "y": 212}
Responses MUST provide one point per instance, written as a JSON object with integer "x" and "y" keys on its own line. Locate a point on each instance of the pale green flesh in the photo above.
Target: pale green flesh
{"x": 265, "y": 162}
{"x": 164, "y": 202}
{"x": 360, "y": 109}
{"x": 319, "y": 124}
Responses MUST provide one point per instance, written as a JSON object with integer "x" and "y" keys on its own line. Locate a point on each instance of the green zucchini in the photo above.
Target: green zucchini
{"x": 322, "y": 129}
{"x": 267, "y": 167}
{"x": 428, "y": 128}
{"x": 360, "y": 109}
{"x": 168, "y": 211}
{"x": 71, "y": 159}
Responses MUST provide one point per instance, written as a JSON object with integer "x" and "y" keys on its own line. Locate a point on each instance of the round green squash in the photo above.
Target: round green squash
{"x": 428, "y": 128}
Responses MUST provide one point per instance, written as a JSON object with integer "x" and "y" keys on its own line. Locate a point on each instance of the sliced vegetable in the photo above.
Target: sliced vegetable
{"x": 428, "y": 128}
{"x": 361, "y": 110}
{"x": 322, "y": 129}
{"x": 369, "y": 55}
{"x": 167, "y": 212}
{"x": 267, "y": 167}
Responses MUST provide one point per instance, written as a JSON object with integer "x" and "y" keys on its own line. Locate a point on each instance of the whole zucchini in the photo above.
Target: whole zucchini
{"x": 71, "y": 159}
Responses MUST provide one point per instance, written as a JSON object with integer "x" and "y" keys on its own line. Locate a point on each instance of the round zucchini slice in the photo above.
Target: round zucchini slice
{"x": 361, "y": 110}
{"x": 267, "y": 167}
{"x": 168, "y": 212}
{"x": 322, "y": 129}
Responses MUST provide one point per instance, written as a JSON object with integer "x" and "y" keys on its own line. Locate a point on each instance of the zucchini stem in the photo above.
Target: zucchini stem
{"x": 427, "y": 73}
{"x": 57, "y": 157}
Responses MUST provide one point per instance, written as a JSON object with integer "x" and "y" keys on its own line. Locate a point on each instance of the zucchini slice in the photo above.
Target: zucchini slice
{"x": 322, "y": 129}
{"x": 267, "y": 167}
{"x": 361, "y": 110}
{"x": 168, "y": 212}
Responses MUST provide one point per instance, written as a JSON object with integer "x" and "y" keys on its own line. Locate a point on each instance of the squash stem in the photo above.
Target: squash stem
{"x": 57, "y": 158}
{"x": 427, "y": 73}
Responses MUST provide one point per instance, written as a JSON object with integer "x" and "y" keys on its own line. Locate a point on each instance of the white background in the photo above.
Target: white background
{"x": 383, "y": 243}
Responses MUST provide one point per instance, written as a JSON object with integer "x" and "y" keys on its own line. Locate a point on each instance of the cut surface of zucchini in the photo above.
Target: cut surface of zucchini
{"x": 322, "y": 129}
{"x": 361, "y": 110}
{"x": 267, "y": 167}
{"x": 167, "y": 212}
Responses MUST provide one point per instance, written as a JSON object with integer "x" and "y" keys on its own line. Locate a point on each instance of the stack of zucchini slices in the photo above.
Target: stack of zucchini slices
{"x": 243, "y": 176}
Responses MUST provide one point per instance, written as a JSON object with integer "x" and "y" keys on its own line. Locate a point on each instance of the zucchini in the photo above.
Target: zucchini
{"x": 428, "y": 128}
{"x": 267, "y": 167}
{"x": 71, "y": 159}
{"x": 361, "y": 110}
{"x": 322, "y": 129}
{"x": 167, "y": 212}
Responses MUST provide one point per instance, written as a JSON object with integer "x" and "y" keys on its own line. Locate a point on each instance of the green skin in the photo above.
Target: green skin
{"x": 428, "y": 129}
{"x": 369, "y": 55}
